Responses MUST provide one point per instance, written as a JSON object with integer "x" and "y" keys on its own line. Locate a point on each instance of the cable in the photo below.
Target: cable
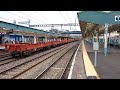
{"x": 6, "y": 19}
{"x": 19, "y": 16}
{"x": 31, "y": 17}
{"x": 40, "y": 15}
{"x": 16, "y": 15}
{"x": 68, "y": 16}
{"x": 62, "y": 16}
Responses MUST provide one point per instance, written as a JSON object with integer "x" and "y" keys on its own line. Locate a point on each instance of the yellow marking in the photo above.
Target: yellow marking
{"x": 79, "y": 76}
{"x": 89, "y": 68}
{"x": 56, "y": 68}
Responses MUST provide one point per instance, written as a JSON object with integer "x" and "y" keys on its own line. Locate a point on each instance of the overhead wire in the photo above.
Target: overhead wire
{"x": 68, "y": 16}
{"x": 40, "y": 15}
{"x": 31, "y": 16}
{"x": 62, "y": 16}
{"x": 35, "y": 19}
{"x": 16, "y": 15}
{"x": 20, "y": 16}
{"x": 6, "y": 19}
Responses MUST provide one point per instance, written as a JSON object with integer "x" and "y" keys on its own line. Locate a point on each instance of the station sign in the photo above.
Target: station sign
{"x": 99, "y": 17}
{"x": 117, "y": 18}
{"x": 95, "y": 45}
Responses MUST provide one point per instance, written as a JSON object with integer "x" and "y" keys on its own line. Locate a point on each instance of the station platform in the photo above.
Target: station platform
{"x": 81, "y": 66}
{"x": 108, "y": 67}
{"x": 78, "y": 71}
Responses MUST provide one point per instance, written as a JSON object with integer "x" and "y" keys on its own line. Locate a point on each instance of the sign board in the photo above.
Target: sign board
{"x": 99, "y": 17}
{"x": 95, "y": 45}
{"x": 117, "y": 18}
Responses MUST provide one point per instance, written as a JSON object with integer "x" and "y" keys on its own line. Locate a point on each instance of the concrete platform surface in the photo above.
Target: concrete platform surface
{"x": 108, "y": 67}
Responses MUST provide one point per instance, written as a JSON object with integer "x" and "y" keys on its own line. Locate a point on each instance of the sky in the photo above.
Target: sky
{"x": 42, "y": 17}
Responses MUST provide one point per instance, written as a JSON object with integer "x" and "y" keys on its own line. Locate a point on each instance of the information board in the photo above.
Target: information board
{"x": 95, "y": 45}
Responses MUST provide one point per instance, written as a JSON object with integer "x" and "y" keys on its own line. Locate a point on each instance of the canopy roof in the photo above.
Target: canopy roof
{"x": 95, "y": 20}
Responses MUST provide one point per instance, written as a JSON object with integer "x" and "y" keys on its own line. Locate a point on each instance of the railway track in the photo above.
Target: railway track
{"x": 9, "y": 59}
{"x": 4, "y": 55}
{"x": 56, "y": 69}
{"x": 5, "y": 58}
{"x": 19, "y": 67}
{"x": 3, "y": 62}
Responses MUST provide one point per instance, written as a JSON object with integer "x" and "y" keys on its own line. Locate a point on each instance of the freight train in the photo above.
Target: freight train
{"x": 25, "y": 49}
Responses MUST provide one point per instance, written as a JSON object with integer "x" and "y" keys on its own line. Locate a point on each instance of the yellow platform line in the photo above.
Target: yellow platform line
{"x": 89, "y": 68}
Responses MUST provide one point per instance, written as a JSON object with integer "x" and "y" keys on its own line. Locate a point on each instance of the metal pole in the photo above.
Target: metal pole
{"x": 109, "y": 39}
{"x": 105, "y": 36}
{"x": 29, "y": 22}
{"x": 61, "y": 26}
{"x": 15, "y": 38}
{"x": 29, "y": 38}
{"x": 119, "y": 38}
{"x": 70, "y": 27}
{"x": 22, "y": 39}
{"x": 95, "y": 58}
{"x": 1, "y": 38}
{"x": 95, "y": 62}
{"x": 75, "y": 23}
{"x": 14, "y": 21}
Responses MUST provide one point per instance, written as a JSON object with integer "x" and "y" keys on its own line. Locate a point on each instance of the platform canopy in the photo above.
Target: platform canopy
{"x": 95, "y": 20}
{"x": 10, "y": 26}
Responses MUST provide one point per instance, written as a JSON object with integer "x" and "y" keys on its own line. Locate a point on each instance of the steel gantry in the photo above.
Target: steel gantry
{"x": 55, "y": 25}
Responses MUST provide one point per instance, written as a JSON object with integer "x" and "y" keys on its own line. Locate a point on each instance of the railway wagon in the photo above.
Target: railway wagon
{"x": 10, "y": 38}
{"x": 28, "y": 48}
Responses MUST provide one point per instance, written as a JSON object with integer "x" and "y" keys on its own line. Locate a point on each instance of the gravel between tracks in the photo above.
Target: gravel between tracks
{"x": 57, "y": 70}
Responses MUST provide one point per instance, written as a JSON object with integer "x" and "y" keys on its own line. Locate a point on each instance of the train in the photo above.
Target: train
{"x": 13, "y": 38}
{"x": 25, "y": 49}
{"x": 114, "y": 42}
